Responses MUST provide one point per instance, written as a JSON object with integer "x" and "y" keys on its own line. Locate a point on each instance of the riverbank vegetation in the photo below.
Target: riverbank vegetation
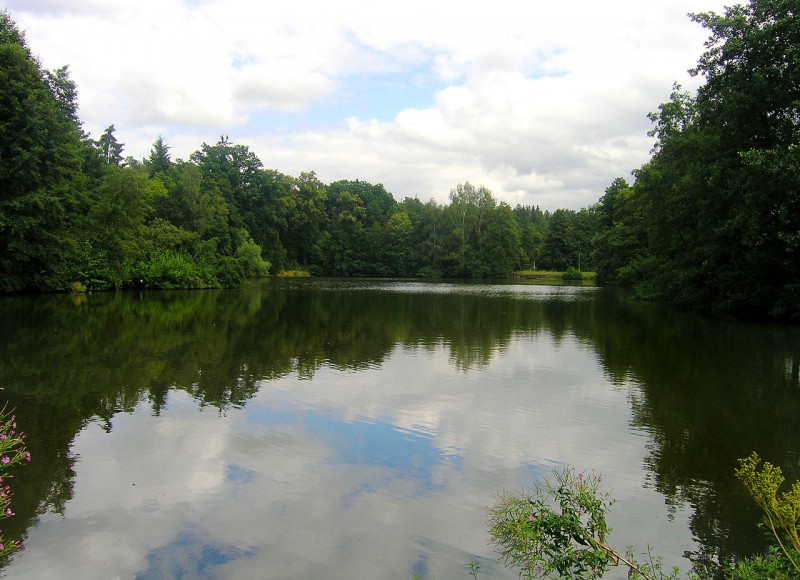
{"x": 13, "y": 452}
{"x": 558, "y": 529}
{"x": 711, "y": 222}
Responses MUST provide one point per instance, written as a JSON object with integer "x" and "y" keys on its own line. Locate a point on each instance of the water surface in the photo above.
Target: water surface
{"x": 358, "y": 429}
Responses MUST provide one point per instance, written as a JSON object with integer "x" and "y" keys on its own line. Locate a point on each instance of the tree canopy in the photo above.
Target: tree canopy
{"x": 713, "y": 219}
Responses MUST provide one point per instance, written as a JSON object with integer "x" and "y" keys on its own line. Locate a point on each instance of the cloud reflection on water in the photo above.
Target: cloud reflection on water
{"x": 343, "y": 473}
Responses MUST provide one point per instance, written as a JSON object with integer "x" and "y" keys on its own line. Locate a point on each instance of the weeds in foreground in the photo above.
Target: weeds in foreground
{"x": 781, "y": 511}
{"x": 559, "y": 530}
{"x": 12, "y": 452}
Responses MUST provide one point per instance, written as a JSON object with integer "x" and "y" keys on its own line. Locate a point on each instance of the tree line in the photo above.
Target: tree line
{"x": 75, "y": 211}
{"x": 712, "y": 221}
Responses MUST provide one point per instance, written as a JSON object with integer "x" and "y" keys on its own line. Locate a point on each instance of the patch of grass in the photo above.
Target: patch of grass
{"x": 549, "y": 275}
{"x": 293, "y": 274}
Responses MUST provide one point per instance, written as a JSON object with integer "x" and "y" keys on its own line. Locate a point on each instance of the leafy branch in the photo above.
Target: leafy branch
{"x": 781, "y": 512}
{"x": 559, "y": 530}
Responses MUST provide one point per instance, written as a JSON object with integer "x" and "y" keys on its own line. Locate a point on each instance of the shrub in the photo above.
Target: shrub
{"x": 229, "y": 272}
{"x": 781, "y": 512}
{"x": 248, "y": 254}
{"x": 171, "y": 269}
{"x": 559, "y": 530}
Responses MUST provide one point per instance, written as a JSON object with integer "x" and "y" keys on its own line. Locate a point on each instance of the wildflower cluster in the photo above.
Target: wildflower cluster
{"x": 12, "y": 452}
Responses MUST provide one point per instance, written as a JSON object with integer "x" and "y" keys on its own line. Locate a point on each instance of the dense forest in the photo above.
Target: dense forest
{"x": 712, "y": 221}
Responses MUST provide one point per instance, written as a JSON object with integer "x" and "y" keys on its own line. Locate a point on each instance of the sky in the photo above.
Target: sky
{"x": 544, "y": 103}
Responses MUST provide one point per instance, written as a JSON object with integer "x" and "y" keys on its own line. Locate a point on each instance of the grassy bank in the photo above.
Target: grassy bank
{"x": 571, "y": 274}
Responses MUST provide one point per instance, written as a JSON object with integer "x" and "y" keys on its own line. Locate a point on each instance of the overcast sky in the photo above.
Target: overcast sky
{"x": 545, "y": 103}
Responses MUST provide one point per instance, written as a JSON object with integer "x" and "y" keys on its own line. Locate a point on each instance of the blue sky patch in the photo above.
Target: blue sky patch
{"x": 365, "y": 96}
{"x": 187, "y": 556}
{"x": 369, "y": 443}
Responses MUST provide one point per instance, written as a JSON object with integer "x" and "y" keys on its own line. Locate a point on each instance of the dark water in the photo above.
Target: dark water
{"x": 337, "y": 429}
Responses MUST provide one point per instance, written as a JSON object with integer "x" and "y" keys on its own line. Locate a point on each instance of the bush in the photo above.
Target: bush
{"x": 573, "y": 274}
{"x": 229, "y": 272}
{"x": 559, "y": 531}
{"x": 172, "y": 269}
{"x": 248, "y": 254}
{"x": 774, "y": 564}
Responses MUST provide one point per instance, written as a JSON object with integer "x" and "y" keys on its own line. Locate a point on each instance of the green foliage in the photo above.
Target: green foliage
{"x": 172, "y": 269}
{"x": 229, "y": 272}
{"x": 40, "y": 173}
{"x": 110, "y": 148}
{"x": 712, "y": 221}
{"x": 303, "y": 205}
{"x": 775, "y": 563}
{"x": 559, "y": 530}
{"x": 781, "y": 512}
{"x": 159, "y": 160}
{"x": 568, "y": 241}
{"x": 573, "y": 274}
{"x": 248, "y": 254}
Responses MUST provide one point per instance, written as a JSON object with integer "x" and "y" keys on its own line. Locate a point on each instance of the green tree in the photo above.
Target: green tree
{"x": 303, "y": 204}
{"x": 110, "y": 148}
{"x": 343, "y": 245}
{"x": 468, "y": 211}
{"x": 428, "y": 224}
{"x": 621, "y": 242}
{"x": 401, "y": 254}
{"x": 40, "y": 173}
{"x": 532, "y": 223}
{"x": 232, "y": 173}
{"x": 720, "y": 198}
{"x": 117, "y": 225}
{"x": 561, "y": 245}
{"x": 502, "y": 248}
{"x": 751, "y": 100}
{"x": 159, "y": 160}
{"x": 65, "y": 92}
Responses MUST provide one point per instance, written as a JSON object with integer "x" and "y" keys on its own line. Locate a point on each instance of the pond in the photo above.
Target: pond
{"x": 318, "y": 428}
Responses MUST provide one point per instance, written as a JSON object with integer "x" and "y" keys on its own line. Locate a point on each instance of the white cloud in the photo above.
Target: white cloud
{"x": 543, "y": 102}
